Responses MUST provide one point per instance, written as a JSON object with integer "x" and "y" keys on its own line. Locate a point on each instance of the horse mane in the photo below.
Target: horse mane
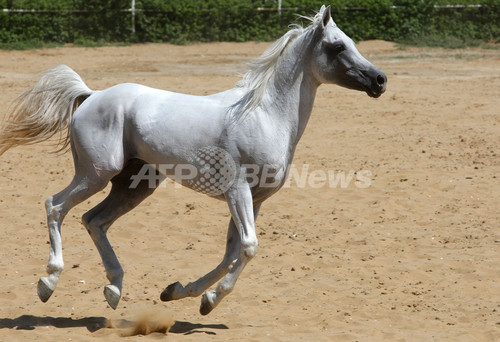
{"x": 262, "y": 70}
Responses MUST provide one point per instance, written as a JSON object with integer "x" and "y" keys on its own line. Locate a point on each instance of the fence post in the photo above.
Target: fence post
{"x": 132, "y": 8}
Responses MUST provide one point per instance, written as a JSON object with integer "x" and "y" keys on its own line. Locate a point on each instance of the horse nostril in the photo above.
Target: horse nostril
{"x": 380, "y": 80}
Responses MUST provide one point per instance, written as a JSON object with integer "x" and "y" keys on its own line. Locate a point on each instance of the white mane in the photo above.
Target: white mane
{"x": 263, "y": 69}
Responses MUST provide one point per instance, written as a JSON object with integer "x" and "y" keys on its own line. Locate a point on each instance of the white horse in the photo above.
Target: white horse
{"x": 242, "y": 140}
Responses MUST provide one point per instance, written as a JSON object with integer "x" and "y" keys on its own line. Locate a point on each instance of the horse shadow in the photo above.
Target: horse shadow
{"x": 93, "y": 324}
{"x": 188, "y": 328}
{"x": 30, "y": 322}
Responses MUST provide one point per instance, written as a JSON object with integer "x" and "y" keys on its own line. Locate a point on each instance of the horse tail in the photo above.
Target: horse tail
{"x": 45, "y": 110}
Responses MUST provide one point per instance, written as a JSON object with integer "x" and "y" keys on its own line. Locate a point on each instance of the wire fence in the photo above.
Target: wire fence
{"x": 231, "y": 20}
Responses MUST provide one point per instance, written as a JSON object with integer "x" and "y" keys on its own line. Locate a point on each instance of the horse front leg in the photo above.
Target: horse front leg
{"x": 240, "y": 248}
{"x": 176, "y": 290}
{"x": 243, "y": 214}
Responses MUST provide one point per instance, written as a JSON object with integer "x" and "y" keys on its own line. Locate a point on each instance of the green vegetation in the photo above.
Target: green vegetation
{"x": 94, "y": 23}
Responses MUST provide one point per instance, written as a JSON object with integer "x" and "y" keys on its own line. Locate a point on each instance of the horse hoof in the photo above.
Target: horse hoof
{"x": 206, "y": 306}
{"x": 112, "y": 295}
{"x": 44, "y": 289}
{"x": 168, "y": 294}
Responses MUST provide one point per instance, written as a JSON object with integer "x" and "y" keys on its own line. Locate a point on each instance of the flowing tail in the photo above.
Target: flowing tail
{"x": 45, "y": 110}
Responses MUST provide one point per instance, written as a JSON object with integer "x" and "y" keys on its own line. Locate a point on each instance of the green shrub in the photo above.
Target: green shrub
{"x": 183, "y": 21}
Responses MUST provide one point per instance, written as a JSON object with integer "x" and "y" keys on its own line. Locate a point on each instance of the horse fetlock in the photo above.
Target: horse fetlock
{"x": 194, "y": 289}
{"x": 54, "y": 269}
{"x": 223, "y": 288}
{"x": 115, "y": 277}
{"x": 112, "y": 294}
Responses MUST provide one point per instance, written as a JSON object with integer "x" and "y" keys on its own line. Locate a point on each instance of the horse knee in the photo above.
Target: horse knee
{"x": 249, "y": 248}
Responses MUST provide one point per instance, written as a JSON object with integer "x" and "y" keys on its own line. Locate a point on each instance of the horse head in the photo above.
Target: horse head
{"x": 335, "y": 59}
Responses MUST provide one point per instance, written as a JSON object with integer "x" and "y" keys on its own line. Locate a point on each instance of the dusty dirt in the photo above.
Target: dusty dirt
{"x": 414, "y": 256}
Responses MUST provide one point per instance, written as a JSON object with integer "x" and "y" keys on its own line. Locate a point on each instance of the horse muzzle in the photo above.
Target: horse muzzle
{"x": 378, "y": 83}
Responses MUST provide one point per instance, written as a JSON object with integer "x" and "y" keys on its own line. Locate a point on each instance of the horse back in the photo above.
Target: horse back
{"x": 154, "y": 125}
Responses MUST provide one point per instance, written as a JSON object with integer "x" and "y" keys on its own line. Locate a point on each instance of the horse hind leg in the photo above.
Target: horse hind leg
{"x": 57, "y": 206}
{"x": 123, "y": 197}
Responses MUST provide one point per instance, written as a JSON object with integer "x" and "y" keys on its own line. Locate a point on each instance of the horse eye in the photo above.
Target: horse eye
{"x": 339, "y": 48}
{"x": 334, "y": 48}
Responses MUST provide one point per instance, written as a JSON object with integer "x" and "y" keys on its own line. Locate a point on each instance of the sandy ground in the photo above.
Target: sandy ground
{"x": 412, "y": 257}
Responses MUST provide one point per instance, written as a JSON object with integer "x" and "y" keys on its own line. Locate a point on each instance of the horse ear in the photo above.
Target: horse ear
{"x": 327, "y": 16}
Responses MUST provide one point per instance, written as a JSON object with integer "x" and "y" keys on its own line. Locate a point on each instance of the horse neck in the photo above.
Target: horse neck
{"x": 291, "y": 95}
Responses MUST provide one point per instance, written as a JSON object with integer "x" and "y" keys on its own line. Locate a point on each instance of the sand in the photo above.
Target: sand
{"x": 410, "y": 254}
